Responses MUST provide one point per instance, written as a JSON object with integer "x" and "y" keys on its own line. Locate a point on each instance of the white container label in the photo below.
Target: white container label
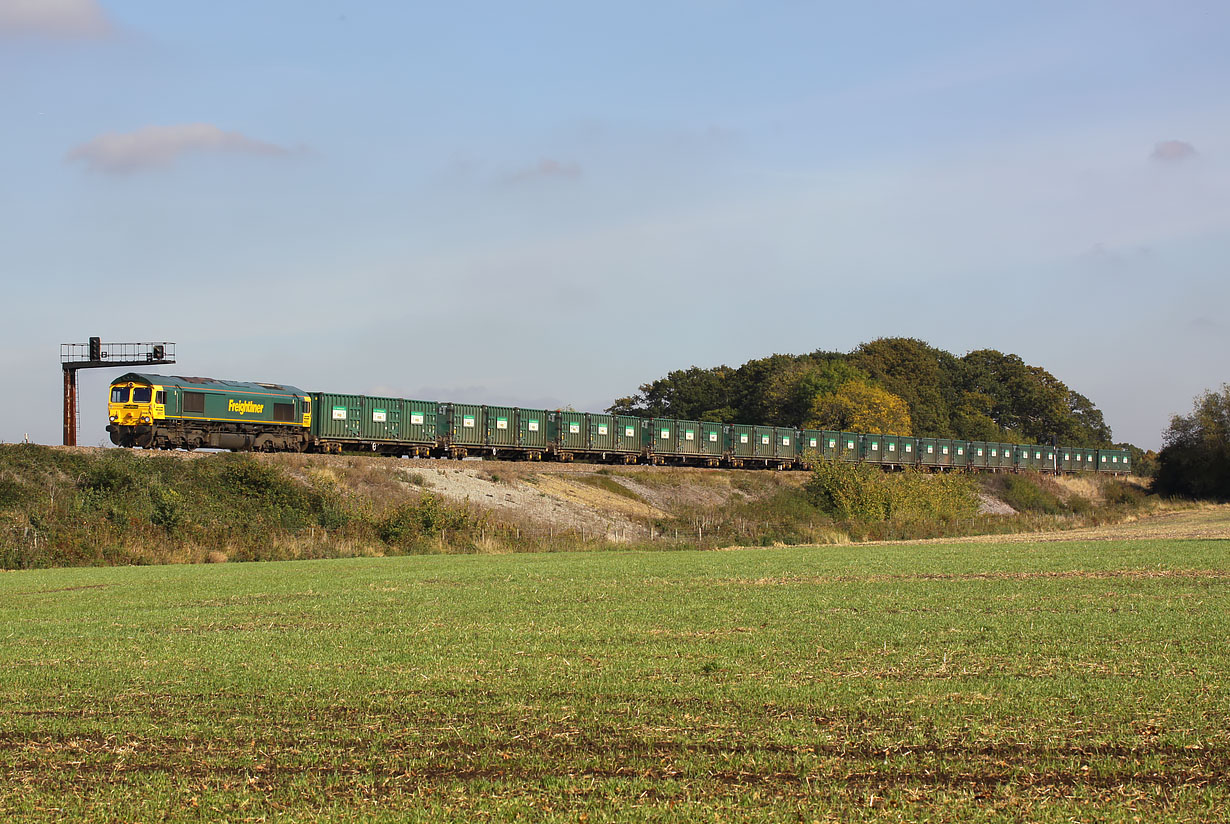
{"x": 467, "y": 421}
{"x": 339, "y": 413}
{"x": 629, "y": 431}
{"x": 416, "y": 418}
{"x": 689, "y": 435}
{"x": 743, "y": 439}
{"x": 713, "y": 437}
{"x": 501, "y": 423}
{"x": 602, "y": 429}
{"x": 764, "y": 439}
{"x": 665, "y": 434}
{"x": 379, "y": 415}
{"x": 532, "y": 426}
{"x": 785, "y": 441}
{"x": 574, "y": 428}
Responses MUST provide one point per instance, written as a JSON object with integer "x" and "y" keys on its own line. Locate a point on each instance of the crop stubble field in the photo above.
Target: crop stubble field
{"x": 1079, "y": 681}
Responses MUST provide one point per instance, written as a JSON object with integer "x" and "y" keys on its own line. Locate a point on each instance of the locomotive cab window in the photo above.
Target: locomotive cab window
{"x": 160, "y": 398}
{"x": 141, "y": 394}
{"x": 283, "y": 411}
{"x": 194, "y": 403}
{"x": 119, "y": 394}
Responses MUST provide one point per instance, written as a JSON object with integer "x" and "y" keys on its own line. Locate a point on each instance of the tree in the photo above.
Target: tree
{"x": 747, "y": 386}
{"x": 691, "y": 394}
{"x": 1195, "y": 457}
{"x": 984, "y": 395}
{"x": 917, "y": 372}
{"x": 788, "y": 393}
{"x": 1028, "y": 402}
{"x": 972, "y": 421}
{"x": 857, "y": 406}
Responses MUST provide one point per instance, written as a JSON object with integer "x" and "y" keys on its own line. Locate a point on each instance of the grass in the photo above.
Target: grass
{"x": 1040, "y": 682}
{"x": 608, "y": 484}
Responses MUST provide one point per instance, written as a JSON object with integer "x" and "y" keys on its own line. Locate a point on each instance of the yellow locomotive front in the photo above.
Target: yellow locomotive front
{"x": 132, "y": 409}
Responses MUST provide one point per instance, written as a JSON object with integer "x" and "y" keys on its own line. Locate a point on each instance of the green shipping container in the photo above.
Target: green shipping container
{"x": 382, "y": 419}
{"x": 979, "y": 454}
{"x": 466, "y": 424}
{"x": 873, "y": 448}
{"x": 501, "y": 425}
{"x": 1091, "y": 460}
{"x": 532, "y": 428}
{"x": 712, "y": 439}
{"x": 849, "y": 444}
{"x": 687, "y": 439}
{"x": 570, "y": 432}
{"x": 665, "y": 432}
{"x": 787, "y": 442}
{"x": 420, "y": 422}
{"x": 763, "y": 442}
{"x": 338, "y": 417}
{"x": 601, "y": 432}
{"x": 1066, "y": 458}
{"x": 743, "y": 440}
{"x": 1050, "y": 456}
{"x": 811, "y": 444}
{"x": 893, "y": 449}
{"x": 629, "y": 434}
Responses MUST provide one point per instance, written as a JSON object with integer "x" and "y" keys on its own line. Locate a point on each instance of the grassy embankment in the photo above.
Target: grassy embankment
{"x": 96, "y": 507}
{"x": 1047, "y": 683}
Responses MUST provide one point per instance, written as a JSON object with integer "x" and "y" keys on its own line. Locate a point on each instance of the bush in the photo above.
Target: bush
{"x": 864, "y": 492}
{"x": 426, "y": 517}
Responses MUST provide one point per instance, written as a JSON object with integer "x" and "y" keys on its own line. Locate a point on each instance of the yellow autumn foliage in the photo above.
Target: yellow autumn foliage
{"x": 857, "y": 406}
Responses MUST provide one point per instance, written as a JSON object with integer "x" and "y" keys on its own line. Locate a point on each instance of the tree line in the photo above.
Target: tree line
{"x": 901, "y": 386}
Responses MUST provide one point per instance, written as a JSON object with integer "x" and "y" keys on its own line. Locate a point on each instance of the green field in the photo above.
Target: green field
{"x": 1040, "y": 682}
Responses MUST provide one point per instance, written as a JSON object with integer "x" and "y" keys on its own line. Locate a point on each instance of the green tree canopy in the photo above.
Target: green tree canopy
{"x": 984, "y": 395}
{"x": 923, "y": 376}
{"x": 1195, "y": 457}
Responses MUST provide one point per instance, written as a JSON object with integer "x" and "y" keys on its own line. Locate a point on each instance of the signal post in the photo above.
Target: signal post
{"x": 96, "y": 355}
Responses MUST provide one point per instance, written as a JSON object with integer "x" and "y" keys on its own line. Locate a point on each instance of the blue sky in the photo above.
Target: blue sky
{"x": 551, "y": 203}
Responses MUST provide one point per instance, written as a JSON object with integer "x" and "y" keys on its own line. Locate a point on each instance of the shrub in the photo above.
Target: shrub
{"x": 864, "y": 492}
{"x": 424, "y": 518}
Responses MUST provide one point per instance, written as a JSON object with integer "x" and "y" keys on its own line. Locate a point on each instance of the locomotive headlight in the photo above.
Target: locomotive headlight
{"x": 145, "y": 419}
{"x": 114, "y": 418}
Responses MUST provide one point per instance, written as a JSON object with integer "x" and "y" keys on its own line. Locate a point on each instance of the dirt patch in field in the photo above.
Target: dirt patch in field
{"x": 1207, "y": 522}
{"x": 565, "y": 488}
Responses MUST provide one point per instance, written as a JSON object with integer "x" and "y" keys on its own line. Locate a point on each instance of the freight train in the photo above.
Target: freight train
{"x": 164, "y": 412}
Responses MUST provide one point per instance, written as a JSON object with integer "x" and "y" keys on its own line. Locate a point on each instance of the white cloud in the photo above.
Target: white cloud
{"x": 154, "y": 146}
{"x": 54, "y": 18}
